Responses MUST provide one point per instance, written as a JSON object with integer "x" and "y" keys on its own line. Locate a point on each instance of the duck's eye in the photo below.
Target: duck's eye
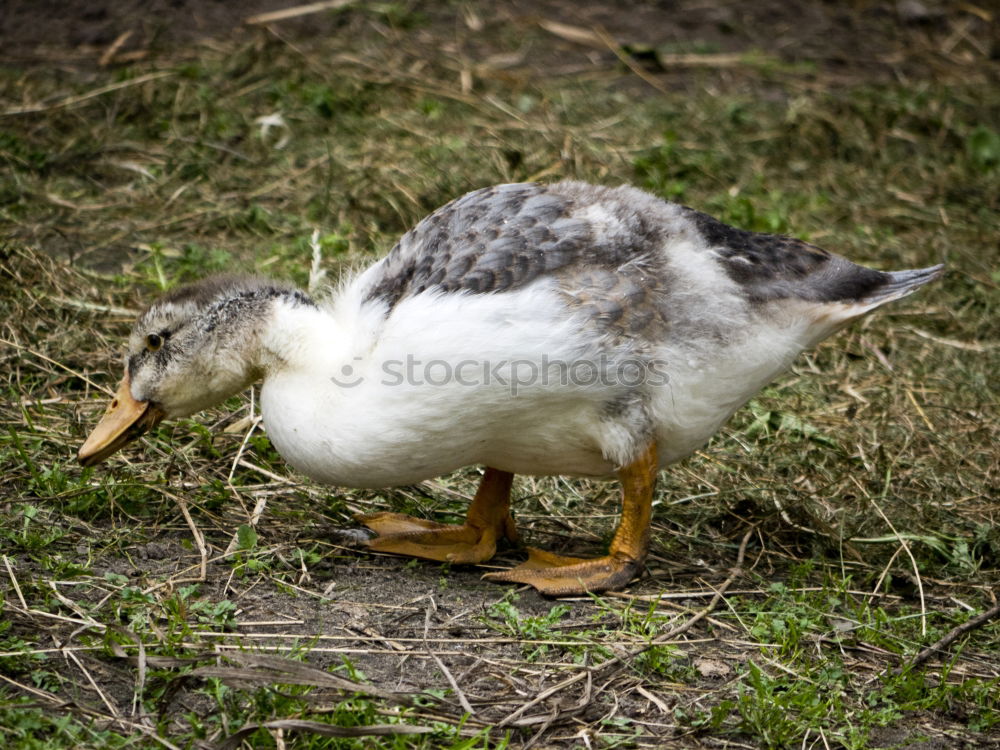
{"x": 153, "y": 342}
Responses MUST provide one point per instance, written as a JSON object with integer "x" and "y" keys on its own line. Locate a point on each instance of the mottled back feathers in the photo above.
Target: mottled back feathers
{"x": 589, "y": 241}
{"x": 493, "y": 240}
{"x": 608, "y": 250}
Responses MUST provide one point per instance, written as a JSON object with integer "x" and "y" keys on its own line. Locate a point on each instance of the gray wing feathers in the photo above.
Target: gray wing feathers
{"x": 491, "y": 240}
{"x": 498, "y": 239}
{"x": 601, "y": 247}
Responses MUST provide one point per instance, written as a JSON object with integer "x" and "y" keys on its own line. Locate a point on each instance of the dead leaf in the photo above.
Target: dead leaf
{"x": 712, "y": 668}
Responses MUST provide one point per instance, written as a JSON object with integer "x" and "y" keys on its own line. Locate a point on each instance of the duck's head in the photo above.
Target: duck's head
{"x": 191, "y": 349}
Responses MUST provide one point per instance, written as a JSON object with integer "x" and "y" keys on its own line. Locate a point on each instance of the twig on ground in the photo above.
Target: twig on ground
{"x": 199, "y": 538}
{"x": 60, "y": 365}
{"x": 14, "y": 583}
{"x": 950, "y": 637}
{"x": 72, "y": 101}
{"x": 467, "y": 707}
{"x": 112, "y": 708}
{"x": 261, "y": 502}
{"x": 262, "y": 19}
{"x": 628, "y": 61}
{"x": 913, "y": 562}
{"x": 112, "y": 50}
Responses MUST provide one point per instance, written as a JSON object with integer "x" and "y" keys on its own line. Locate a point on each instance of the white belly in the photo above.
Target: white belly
{"x": 370, "y": 430}
{"x": 365, "y": 442}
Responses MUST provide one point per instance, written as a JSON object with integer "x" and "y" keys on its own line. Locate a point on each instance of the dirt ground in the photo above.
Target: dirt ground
{"x": 874, "y": 38}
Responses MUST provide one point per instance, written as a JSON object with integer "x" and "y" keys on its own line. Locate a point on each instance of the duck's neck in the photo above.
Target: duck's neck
{"x": 319, "y": 421}
{"x": 296, "y": 336}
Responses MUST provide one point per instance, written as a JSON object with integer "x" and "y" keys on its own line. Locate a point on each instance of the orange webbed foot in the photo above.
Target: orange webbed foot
{"x": 474, "y": 541}
{"x": 414, "y": 537}
{"x": 558, "y": 575}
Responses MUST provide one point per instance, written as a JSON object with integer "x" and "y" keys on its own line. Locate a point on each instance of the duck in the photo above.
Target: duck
{"x": 539, "y": 329}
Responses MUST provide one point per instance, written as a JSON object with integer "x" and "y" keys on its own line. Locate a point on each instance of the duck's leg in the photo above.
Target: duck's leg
{"x": 474, "y": 541}
{"x": 557, "y": 575}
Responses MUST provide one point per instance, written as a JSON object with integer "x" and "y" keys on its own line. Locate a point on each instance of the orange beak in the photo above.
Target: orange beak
{"x": 124, "y": 421}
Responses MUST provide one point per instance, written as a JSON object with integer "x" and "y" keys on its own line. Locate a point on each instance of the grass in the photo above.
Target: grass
{"x": 868, "y": 473}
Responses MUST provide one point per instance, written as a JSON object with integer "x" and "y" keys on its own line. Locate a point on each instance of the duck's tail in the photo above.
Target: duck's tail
{"x": 900, "y": 284}
{"x": 862, "y": 290}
